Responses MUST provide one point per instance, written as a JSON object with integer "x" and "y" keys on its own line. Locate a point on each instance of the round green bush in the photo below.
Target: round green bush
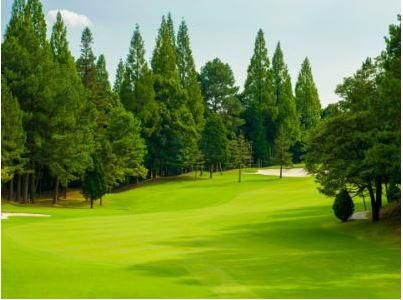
{"x": 393, "y": 192}
{"x": 343, "y": 206}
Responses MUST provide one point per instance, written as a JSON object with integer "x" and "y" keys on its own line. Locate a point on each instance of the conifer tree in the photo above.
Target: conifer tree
{"x": 12, "y": 136}
{"x": 137, "y": 89}
{"x": 307, "y": 99}
{"x": 120, "y": 71}
{"x": 240, "y": 153}
{"x": 188, "y": 76}
{"x": 176, "y": 138}
{"x": 259, "y": 101}
{"x": 282, "y": 146}
{"x": 284, "y": 98}
{"x": 69, "y": 147}
{"x": 28, "y": 67}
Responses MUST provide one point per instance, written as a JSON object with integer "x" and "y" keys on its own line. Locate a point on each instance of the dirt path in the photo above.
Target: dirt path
{"x": 294, "y": 172}
{"x": 6, "y": 215}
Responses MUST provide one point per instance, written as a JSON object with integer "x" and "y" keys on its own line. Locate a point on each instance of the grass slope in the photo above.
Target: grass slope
{"x": 178, "y": 238}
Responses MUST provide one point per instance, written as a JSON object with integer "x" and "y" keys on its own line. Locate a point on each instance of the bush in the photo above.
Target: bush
{"x": 343, "y": 206}
{"x": 393, "y": 192}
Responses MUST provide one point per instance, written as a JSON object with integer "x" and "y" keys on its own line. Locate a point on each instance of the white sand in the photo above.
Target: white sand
{"x": 293, "y": 172}
{"x": 5, "y": 215}
{"x": 360, "y": 215}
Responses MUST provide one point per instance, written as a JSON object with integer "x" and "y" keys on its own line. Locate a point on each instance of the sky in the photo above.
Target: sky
{"x": 336, "y": 35}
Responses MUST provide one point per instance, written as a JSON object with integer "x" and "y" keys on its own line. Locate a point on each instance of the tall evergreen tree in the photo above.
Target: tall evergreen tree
{"x": 188, "y": 76}
{"x": 258, "y": 99}
{"x": 176, "y": 137}
{"x": 28, "y": 67}
{"x": 240, "y": 153}
{"x": 307, "y": 98}
{"x": 284, "y": 98}
{"x": 69, "y": 147}
{"x": 137, "y": 87}
{"x": 120, "y": 72}
{"x": 12, "y": 135}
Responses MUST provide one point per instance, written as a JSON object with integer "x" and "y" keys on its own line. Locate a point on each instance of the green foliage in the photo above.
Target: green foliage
{"x": 393, "y": 192}
{"x": 175, "y": 140}
{"x": 123, "y": 149}
{"x": 307, "y": 98}
{"x": 282, "y": 146}
{"x": 12, "y": 134}
{"x": 343, "y": 206}
{"x": 284, "y": 98}
{"x": 120, "y": 72}
{"x": 258, "y": 99}
{"x": 240, "y": 152}
{"x": 94, "y": 184}
{"x": 188, "y": 76}
{"x": 214, "y": 142}
{"x": 220, "y": 94}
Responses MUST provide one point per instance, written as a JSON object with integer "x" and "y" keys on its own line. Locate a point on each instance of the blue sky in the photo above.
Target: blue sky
{"x": 336, "y": 35}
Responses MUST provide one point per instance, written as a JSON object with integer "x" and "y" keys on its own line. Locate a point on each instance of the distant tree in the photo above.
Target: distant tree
{"x": 68, "y": 150}
{"x": 120, "y": 72}
{"x": 220, "y": 94}
{"x": 188, "y": 76}
{"x": 214, "y": 143}
{"x": 240, "y": 153}
{"x": 282, "y": 146}
{"x": 94, "y": 184}
{"x": 12, "y": 137}
{"x": 176, "y": 137}
{"x": 307, "y": 98}
{"x": 258, "y": 98}
{"x": 330, "y": 111}
{"x": 284, "y": 98}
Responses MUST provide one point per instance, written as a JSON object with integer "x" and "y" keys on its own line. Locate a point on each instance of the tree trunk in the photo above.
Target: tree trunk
{"x": 25, "y": 195}
{"x": 33, "y": 187}
{"x": 56, "y": 191}
{"x": 374, "y": 206}
{"x": 211, "y": 171}
{"x": 19, "y": 188}
{"x": 201, "y": 171}
{"x": 281, "y": 170}
{"x": 195, "y": 173}
{"x": 378, "y": 193}
{"x": 239, "y": 174}
{"x": 65, "y": 192}
{"x": 92, "y": 202}
{"x": 11, "y": 194}
{"x": 219, "y": 165}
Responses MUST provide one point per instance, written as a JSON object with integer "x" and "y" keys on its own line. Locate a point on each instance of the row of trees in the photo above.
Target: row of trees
{"x": 357, "y": 147}
{"x": 69, "y": 126}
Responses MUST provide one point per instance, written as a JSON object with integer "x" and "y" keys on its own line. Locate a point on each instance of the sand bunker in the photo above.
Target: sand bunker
{"x": 6, "y": 215}
{"x": 294, "y": 172}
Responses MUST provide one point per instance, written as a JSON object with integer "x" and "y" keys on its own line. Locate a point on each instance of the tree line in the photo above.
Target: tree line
{"x": 64, "y": 124}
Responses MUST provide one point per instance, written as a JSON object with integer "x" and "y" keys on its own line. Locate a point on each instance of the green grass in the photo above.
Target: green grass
{"x": 265, "y": 237}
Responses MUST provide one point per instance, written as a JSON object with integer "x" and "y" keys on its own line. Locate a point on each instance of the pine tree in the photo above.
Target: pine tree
{"x": 220, "y": 94}
{"x": 176, "y": 138}
{"x": 307, "y": 99}
{"x": 12, "y": 135}
{"x": 120, "y": 71}
{"x": 69, "y": 147}
{"x": 28, "y": 67}
{"x": 259, "y": 101}
{"x": 188, "y": 76}
{"x": 137, "y": 87}
{"x": 94, "y": 182}
{"x": 284, "y": 98}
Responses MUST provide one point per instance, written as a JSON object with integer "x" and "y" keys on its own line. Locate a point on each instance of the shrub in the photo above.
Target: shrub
{"x": 393, "y": 192}
{"x": 343, "y": 206}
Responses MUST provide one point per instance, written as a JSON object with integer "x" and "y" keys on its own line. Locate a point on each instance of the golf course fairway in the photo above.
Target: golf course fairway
{"x": 207, "y": 238}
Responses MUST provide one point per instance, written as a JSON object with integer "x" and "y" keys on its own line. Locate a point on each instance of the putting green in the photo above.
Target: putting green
{"x": 265, "y": 237}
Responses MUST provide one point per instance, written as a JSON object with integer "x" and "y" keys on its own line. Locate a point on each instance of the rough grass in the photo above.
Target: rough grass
{"x": 263, "y": 238}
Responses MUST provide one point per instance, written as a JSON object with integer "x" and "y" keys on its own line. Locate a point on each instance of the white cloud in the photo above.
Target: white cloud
{"x": 70, "y": 18}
